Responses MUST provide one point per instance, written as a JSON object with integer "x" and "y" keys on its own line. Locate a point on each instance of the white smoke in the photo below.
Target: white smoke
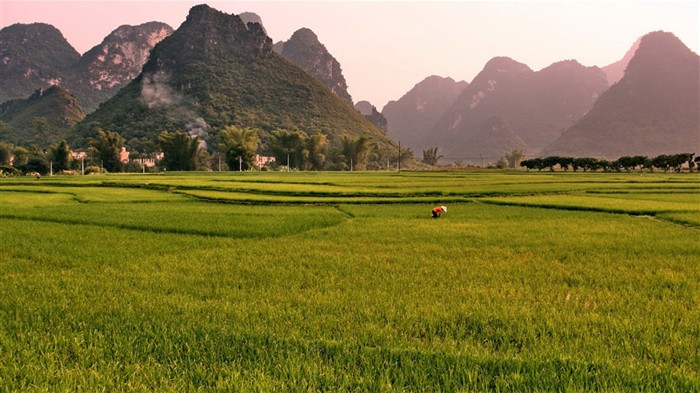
{"x": 155, "y": 92}
{"x": 196, "y": 126}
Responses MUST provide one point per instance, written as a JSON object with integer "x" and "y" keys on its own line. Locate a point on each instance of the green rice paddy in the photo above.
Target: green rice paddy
{"x": 343, "y": 282}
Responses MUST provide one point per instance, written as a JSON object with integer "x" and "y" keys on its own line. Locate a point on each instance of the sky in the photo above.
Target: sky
{"x": 387, "y": 47}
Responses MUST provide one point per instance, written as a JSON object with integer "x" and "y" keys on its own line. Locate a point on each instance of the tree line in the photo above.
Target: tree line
{"x": 235, "y": 148}
{"x": 663, "y": 162}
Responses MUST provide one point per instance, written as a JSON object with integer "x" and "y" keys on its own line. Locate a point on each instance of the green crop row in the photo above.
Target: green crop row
{"x": 646, "y": 204}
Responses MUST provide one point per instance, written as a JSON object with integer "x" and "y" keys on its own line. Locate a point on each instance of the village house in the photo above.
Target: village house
{"x": 263, "y": 160}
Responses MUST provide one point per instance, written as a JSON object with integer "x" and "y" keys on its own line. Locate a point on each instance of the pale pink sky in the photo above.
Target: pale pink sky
{"x": 385, "y": 48}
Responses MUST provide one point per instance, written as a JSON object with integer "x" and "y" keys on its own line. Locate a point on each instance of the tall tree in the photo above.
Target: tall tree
{"x": 240, "y": 145}
{"x": 34, "y": 161}
{"x": 108, "y": 146}
{"x": 289, "y": 147}
{"x": 316, "y": 146}
{"x": 355, "y": 151}
{"x": 181, "y": 152}
{"x": 21, "y": 155}
{"x": 5, "y": 153}
{"x": 59, "y": 153}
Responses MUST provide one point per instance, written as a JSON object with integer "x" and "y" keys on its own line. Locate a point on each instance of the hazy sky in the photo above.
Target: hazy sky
{"x": 385, "y": 48}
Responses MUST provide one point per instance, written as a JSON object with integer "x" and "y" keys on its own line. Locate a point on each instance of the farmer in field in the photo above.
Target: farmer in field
{"x": 438, "y": 211}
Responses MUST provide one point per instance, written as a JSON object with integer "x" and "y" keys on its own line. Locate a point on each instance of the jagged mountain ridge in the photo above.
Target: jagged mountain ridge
{"x": 413, "y": 115}
{"x": 652, "y": 110}
{"x": 215, "y": 71}
{"x": 538, "y": 106}
{"x": 371, "y": 113}
{"x": 107, "y": 67}
{"x": 56, "y": 110}
{"x": 615, "y": 71}
{"x": 305, "y": 50}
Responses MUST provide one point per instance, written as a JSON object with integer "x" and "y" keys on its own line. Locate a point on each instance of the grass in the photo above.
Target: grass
{"x": 186, "y": 294}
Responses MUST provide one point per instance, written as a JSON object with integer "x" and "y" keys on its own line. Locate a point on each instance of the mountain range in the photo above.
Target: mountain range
{"x": 215, "y": 71}
{"x": 220, "y": 69}
{"x": 414, "y": 115}
{"x": 536, "y": 106}
{"x": 654, "y": 109}
{"x": 33, "y": 56}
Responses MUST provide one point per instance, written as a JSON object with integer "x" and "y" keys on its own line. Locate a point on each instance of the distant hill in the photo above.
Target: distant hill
{"x": 305, "y": 50}
{"x": 652, "y": 110}
{"x": 494, "y": 139}
{"x": 371, "y": 113}
{"x": 413, "y": 116}
{"x": 56, "y": 111}
{"x": 616, "y": 70}
{"x": 537, "y": 106}
{"x": 33, "y": 56}
{"x": 215, "y": 71}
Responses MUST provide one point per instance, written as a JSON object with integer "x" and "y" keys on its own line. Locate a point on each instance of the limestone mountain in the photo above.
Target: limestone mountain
{"x": 616, "y": 70}
{"x": 33, "y": 56}
{"x": 538, "y": 106}
{"x": 37, "y": 56}
{"x": 107, "y": 67}
{"x": 47, "y": 116}
{"x": 305, "y": 50}
{"x": 371, "y": 113}
{"x": 215, "y": 71}
{"x": 495, "y": 138}
{"x": 413, "y": 116}
{"x": 652, "y": 110}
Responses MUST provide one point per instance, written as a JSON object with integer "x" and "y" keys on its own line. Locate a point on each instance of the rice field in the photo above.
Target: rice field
{"x": 343, "y": 282}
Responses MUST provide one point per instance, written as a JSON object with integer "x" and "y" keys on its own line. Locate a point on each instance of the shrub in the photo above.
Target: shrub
{"x": 8, "y": 171}
{"x": 94, "y": 169}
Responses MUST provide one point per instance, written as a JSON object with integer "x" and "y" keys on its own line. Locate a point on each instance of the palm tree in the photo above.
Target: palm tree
{"x": 289, "y": 147}
{"x": 356, "y": 151}
{"x": 240, "y": 145}
{"x": 180, "y": 151}
{"x": 431, "y": 156}
{"x": 316, "y": 151}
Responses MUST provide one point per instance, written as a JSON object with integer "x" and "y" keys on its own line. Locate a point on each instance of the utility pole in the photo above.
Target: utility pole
{"x": 240, "y": 164}
{"x": 51, "y": 168}
{"x": 82, "y": 165}
{"x": 399, "y": 156}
